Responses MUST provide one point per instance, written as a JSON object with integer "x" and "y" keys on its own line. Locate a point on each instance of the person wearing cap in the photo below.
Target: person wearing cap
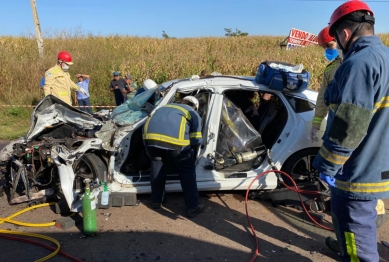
{"x": 83, "y": 100}
{"x": 58, "y": 81}
{"x": 354, "y": 156}
{"x": 117, "y": 86}
{"x": 328, "y": 43}
{"x": 130, "y": 88}
{"x": 171, "y": 137}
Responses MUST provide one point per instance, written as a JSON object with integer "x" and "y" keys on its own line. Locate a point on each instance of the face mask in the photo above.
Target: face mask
{"x": 331, "y": 54}
{"x": 65, "y": 67}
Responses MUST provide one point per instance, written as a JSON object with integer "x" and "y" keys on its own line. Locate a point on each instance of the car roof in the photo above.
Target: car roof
{"x": 224, "y": 82}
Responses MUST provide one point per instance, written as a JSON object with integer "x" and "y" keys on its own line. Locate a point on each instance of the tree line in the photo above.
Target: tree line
{"x": 228, "y": 33}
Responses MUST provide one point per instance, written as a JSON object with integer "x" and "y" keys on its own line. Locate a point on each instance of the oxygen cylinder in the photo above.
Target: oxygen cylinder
{"x": 89, "y": 212}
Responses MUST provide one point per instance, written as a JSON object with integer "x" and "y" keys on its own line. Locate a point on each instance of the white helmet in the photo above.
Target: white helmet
{"x": 192, "y": 100}
{"x": 149, "y": 84}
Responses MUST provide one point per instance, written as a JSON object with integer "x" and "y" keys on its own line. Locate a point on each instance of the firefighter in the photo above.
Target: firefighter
{"x": 354, "y": 157}
{"x": 331, "y": 53}
{"x": 57, "y": 79}
{"x": 147, "y": 84}
{"x": 171, "y": 137}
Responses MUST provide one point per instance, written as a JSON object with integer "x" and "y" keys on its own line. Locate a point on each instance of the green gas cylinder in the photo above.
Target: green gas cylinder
{"x": 89, "y": 211}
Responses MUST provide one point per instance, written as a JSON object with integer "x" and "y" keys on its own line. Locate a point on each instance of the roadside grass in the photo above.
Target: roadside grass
{"x": 14, "y": 122}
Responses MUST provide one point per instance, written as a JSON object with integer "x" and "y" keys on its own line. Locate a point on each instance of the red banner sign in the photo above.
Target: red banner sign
{"x": 298, "y": 38}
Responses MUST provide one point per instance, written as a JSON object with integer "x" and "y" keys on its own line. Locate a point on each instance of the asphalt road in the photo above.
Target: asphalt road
{"x": 220, "y": 233}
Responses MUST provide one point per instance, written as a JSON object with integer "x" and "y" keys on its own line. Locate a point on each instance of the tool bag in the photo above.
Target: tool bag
{"x": 281, "y": 78}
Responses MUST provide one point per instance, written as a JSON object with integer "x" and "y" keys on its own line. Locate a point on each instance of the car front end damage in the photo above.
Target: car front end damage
{"x": 65, "y": 146}
{"x": 42, "y": 164}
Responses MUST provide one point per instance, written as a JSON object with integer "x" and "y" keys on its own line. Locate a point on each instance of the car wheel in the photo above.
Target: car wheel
{"x": 299, "y": 166}
{"x": 88, "y": 166}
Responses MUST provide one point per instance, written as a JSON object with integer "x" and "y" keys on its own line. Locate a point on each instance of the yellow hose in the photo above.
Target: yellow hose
{"x": 36, "y": 236}
{"x": 9, "y": 220}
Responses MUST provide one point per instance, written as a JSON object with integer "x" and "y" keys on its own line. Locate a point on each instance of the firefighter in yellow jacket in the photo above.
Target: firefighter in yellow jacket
{"x": 335, "y": 57}
{"x": 57, "y": 79}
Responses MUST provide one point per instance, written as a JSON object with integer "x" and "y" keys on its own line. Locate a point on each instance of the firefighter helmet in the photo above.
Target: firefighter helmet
{"x": 149, "y": 84}
{"x": 192, "y": 100}
{"x": 346, "y": 9}
{"x": 65, "y": 57}
{"x": 324, "y": 37}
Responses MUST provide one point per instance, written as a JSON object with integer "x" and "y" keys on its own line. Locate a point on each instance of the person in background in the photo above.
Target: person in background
{"x": 131, "y": 87}
{"x": 255, "y": 113}
{"x": 57, "y": 79}
{"x": 203, "y": 73}
{"x": 328, "y": 43}
{"x": 117, "y": 86}
{"x": 83, "y": 100}
{"x": 171, "y": 137}
{"x": 251, "y": 112}
{"x": 353, "y": 158}
{"x": 147, "y": 84}
{"x": 42, "y": 82}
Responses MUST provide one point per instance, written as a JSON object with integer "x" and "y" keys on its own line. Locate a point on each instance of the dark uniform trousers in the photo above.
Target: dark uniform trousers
{"x": 355, "y": 227}
{"x": 163, "y": 162}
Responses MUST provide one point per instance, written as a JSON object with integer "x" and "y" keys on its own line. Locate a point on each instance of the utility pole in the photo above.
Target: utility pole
{"x": 37, "y": 25}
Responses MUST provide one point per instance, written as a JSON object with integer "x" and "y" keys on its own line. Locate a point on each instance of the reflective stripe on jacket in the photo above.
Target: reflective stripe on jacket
{"x": 355, "y": 146}
{"x": 174, "y": 126}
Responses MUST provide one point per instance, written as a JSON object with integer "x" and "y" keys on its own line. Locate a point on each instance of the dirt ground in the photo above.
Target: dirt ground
{"x": 220, "y": 233}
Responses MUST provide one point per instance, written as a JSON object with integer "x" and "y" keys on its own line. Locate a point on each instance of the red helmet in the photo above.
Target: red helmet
{"x": 65, "y": 57}
{"x": 348, "y": 8}
{"x": 324, "y": 36}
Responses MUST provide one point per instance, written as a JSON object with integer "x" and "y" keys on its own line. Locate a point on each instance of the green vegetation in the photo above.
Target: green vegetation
{"x": 237, "y": 32}
{"x": 14, "y": 122}
{"x": 161, "y": 59}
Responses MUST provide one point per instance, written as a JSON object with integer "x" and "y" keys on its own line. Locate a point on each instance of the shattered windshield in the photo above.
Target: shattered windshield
{"x": 136, "y": 108}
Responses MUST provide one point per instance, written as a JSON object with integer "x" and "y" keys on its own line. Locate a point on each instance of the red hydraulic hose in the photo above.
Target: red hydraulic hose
{"x": 295, "y": 189}
{"x": 42, "y": 245}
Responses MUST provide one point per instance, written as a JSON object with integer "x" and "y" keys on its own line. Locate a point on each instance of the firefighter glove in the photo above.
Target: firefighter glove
{"x": 328, "y": 179}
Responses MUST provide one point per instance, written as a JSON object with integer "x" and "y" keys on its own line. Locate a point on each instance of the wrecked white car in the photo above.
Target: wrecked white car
{"x": 64, "y": 146}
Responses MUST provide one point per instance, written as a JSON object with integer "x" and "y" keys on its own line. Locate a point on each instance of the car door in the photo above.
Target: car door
{"x": 233, "y": 152}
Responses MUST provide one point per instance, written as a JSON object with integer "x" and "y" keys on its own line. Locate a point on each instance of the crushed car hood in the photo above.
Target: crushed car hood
{"x": 52, "y": 111}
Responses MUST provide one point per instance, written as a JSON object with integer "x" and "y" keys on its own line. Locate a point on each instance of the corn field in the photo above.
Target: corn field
{"x": 160, "y": 59}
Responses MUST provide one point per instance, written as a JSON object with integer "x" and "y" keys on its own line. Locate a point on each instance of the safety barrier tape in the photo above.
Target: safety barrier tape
{"x": 73, "y": 106}
{"x": 98, "y": 106}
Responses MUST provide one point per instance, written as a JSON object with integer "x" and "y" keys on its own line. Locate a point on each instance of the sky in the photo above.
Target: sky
{"x": 178, "y": 18}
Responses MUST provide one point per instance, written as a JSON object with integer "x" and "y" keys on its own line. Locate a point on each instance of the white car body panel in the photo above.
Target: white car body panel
{"x": 298, "y": 126}
{"x": 116, "y": 140}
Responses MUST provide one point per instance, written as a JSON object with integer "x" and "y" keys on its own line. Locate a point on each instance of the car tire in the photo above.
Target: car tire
{"x": 88, "y": 166}
{"x": 299, "y": 165}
